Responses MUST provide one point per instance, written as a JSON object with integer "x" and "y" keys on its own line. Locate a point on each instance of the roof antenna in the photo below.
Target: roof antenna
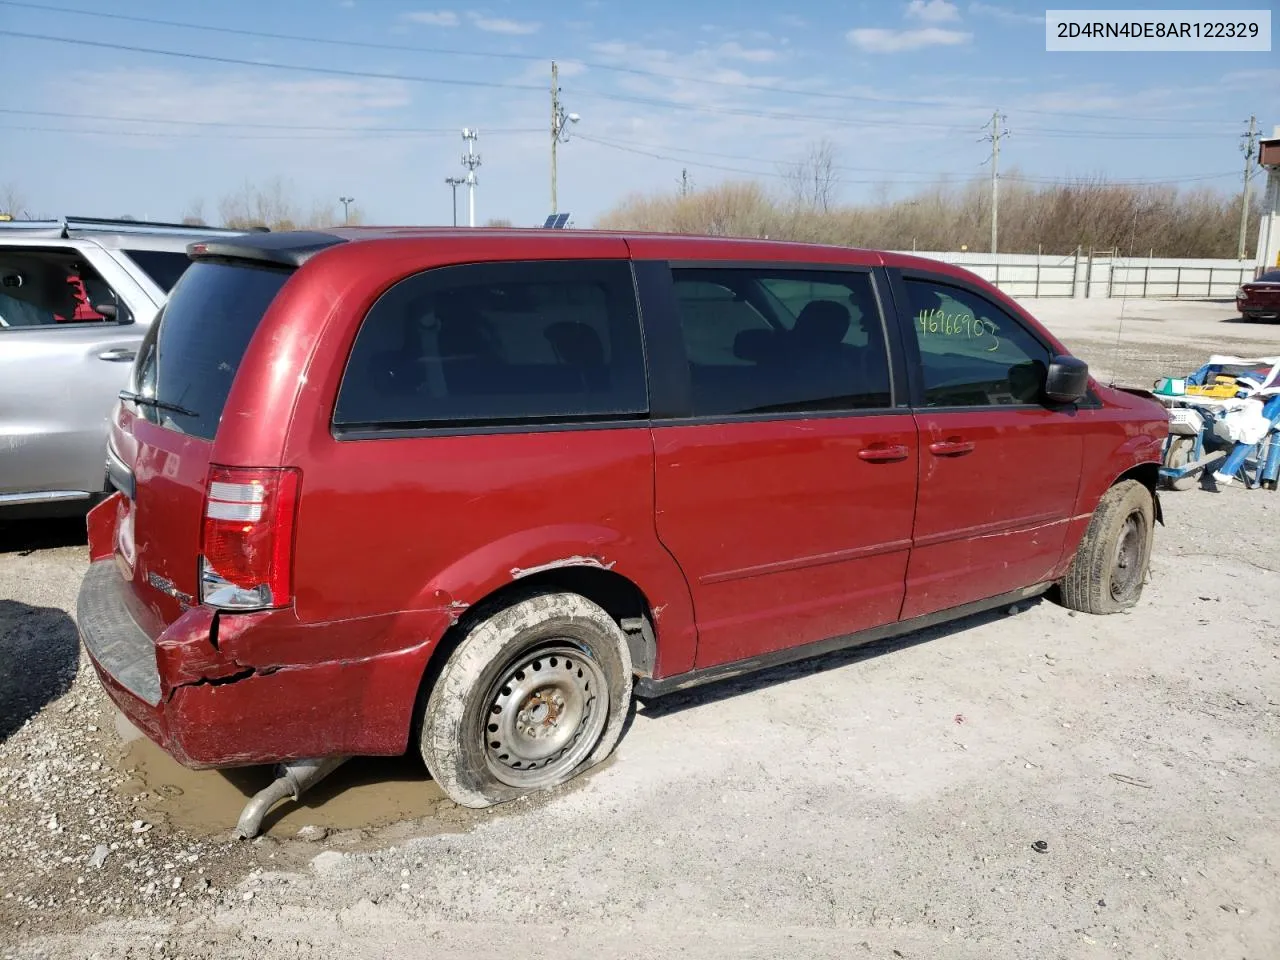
{"x": 1124, "y": 297}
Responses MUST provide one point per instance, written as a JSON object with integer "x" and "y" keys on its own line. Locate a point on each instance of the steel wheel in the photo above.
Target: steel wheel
{"x": 1127, "y": 572}
{"x": 544, "y": 715}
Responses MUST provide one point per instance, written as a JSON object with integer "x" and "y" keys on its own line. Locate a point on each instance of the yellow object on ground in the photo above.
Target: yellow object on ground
{"x": 1222, "y": 388}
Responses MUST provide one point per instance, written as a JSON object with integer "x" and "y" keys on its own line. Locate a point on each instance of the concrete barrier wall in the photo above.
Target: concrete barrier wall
{"x": 1096, "y": 275}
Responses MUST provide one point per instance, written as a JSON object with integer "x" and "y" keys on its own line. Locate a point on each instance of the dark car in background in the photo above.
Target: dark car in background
{"x": 1260, "y": 299}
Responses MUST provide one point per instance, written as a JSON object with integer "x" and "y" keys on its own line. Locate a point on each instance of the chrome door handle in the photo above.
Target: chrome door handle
{"x": 884, "y": 453}
{"x": 119, "y": 355}
{"x": 952, "y": 447}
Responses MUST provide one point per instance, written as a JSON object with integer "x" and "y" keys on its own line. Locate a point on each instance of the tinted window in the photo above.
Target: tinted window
{"x": 191, "y": 353}
{"x": 47, "y": 288}
{"x": 164, "y": 267}
{"x": 499, "y": 342}
{"x": 972, "y": 351}
{"x": 766, "y": 340}
{"x": 1269, "y": 276}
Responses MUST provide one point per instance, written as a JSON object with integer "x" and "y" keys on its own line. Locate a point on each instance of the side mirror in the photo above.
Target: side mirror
{"x": 1067, "y": 380}
{"x": 107, "y": 310}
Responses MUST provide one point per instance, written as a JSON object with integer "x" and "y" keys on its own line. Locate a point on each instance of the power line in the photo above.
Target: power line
{"x": 269, "y": 65}
{"x": 344, "y": 128}
{"x": 1119, "y": 181}
{"x": 168, "y": 135}
{"x": 595, "y": 65}
{"x": 616, "y": 142}
{"x": 612, "y": 97}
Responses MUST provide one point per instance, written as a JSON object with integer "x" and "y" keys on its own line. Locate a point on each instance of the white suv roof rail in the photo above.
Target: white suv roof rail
{"x": 64, "y": 227}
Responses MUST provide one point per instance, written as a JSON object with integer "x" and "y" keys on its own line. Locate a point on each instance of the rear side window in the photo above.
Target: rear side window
{"x": 164, "y": 267}
{"x": 496, "y": 343}
{"x": 190, "y": 355}
{"x": 766, "y": 340}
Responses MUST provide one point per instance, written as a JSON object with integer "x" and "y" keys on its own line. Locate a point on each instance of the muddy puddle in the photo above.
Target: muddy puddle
{"x": 366, "y": 794}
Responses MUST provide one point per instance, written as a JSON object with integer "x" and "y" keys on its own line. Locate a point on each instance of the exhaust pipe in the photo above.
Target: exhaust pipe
{"x": 291, "y": 780}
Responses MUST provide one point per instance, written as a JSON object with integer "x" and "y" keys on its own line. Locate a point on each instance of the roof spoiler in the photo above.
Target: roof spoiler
{"x": 291, "y": 249}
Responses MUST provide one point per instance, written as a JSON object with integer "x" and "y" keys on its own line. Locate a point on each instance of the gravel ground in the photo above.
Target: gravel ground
{"x": 887, "y": 802}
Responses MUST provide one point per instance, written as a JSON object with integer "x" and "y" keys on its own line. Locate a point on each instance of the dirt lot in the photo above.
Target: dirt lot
{"x": 878, "y": 803}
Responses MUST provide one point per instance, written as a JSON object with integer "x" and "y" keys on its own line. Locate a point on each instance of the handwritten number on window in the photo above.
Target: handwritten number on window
{"x": 939, "y": 323}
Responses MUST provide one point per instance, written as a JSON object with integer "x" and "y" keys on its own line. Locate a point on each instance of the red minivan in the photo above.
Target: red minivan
{"x": 473, "y": 489}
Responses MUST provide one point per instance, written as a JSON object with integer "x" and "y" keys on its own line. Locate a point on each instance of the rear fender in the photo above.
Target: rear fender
{"x": 540, "y": 550}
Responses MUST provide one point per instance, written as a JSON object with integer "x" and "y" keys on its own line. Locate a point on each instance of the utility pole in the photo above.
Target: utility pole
{"x": 346, "y": 213}
{"x": 997, "y": 131}
{"x": 455, "y": 182}
{"x": 1249, "y": 145}
{"x": 471, "y": 160}
{"x": 685, "y": 188}
{"x": 559, "y": 133}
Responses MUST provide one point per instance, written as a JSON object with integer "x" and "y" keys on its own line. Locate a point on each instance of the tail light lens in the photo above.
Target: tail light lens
{"x": 246, "y": 550}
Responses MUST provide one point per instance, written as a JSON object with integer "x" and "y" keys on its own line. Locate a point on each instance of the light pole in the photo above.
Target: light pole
{"x": 346, "y": 213}
{"x": 559, "y": 133}
{"x": 455, "y": 182}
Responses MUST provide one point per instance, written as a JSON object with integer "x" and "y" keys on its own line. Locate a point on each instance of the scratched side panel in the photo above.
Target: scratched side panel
{"x": 437, "y": 523}
{"x": 994, "y": 519}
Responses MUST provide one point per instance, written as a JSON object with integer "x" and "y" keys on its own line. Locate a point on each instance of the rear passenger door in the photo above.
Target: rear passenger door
{"x": 785, "y": 474}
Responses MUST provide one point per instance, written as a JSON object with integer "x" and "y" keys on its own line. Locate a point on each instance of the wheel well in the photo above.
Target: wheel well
{"x": 1147, "y": 474}
{"x": 614, "y": 593}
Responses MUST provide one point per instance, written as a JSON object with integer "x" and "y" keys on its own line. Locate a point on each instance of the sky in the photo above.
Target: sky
{"x": 367, "y": 99}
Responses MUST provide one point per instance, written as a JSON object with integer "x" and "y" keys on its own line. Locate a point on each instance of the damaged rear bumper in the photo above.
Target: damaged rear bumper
{"x": 193, "y": 690}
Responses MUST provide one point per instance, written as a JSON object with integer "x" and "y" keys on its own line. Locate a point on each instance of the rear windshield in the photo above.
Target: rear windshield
{"x": 190, "y": 355}
{"x": 164, "y": 267}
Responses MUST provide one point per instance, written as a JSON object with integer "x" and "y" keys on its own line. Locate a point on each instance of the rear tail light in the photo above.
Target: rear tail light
{"x": 246, "y": 550}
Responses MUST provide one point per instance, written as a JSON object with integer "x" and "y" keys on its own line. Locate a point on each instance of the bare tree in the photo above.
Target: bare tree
{"x": 252, "y": 206}
{"x": 274, "y": 205}
{"x": 498, "y": 222}
{"x": 13, "y": 202}
{"x": 1053, "y": 218}
{"x": 193, "y": 216}
{"x": 813, "y": 181}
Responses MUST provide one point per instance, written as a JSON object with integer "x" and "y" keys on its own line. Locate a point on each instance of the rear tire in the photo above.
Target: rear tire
{"x": 1110, "y": 566}
{"x": 534, "y": 694}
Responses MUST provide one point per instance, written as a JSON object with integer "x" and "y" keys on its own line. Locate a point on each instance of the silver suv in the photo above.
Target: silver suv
{"x": 76, "y": 297}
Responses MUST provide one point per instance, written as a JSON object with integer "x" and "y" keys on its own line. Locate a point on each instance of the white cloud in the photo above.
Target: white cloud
{"x": 876, "y": 40}
{"x": 514, "y": 28}
{"x": 735, "y": 51}
{"x": 933, "y": 11}
{"x": 433, "y": 18}
{"x": 161, "y": 95}
{"x": 1003, "y": 13}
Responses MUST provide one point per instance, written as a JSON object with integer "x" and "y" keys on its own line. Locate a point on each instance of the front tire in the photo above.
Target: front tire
{"x": 1110, "y": 566}
{"x": 532, "y": 696}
